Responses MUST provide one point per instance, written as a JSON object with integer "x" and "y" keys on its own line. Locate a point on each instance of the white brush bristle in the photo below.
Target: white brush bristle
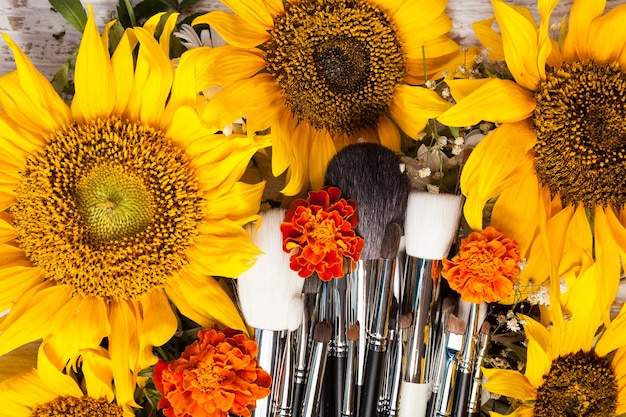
{"x": 431, "y": 224}
{"x": 270, "y": 293}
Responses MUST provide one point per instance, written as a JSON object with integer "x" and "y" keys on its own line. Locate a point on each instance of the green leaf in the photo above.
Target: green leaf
{"x": 73, "y": 11}
{"x": 60, "y": 81}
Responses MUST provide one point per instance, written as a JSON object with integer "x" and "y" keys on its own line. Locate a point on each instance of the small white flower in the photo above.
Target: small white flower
{"x": 539, "y": 297}
{"x": 457, "y": 150}
{"x": 445, "y": 93}
{"x": 433, "y": 189}
{"x": 522, "y": 264}
{"x": 459, "y": 141}
{"x": 431, "y": 84}
{"x": 424, "y": 172}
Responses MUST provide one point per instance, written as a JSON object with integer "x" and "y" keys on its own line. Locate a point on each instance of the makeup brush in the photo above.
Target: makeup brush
{"x": 270, "y": 298}
{"x": 465, "y": 360}
{"x": 369, "y": 174}
{"x": 477, "y": 375}
{"x": 304, "y": 337}
{"x": 347, "y": 409}
{"x": 317, "y": 365}
{"x": 437, "y": 352}
{"x": 453, "y": 343}
{"x": 379, "y": 324}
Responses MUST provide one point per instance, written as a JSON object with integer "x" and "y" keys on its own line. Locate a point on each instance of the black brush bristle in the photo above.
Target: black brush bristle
{"x": 370, "y": 174}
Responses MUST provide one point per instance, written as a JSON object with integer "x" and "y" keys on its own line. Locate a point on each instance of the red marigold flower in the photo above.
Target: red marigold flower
{"x": 215, "y": 375}
{"x": 485, "y": 268}
{"x": 319, "y": 232}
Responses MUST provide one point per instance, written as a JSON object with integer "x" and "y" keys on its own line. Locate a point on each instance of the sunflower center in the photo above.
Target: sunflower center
{"x": 337, "y": 63}
{"x": 77, "y": 407}
{"x": 114, "y": 204}
{"x": 581, "y": 133}
{"x": 108, "y": 207}
{"x": 579, "y": 384}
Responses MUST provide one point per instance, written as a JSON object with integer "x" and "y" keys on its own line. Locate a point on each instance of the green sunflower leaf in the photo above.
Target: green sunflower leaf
{"x": 73, "y": 11}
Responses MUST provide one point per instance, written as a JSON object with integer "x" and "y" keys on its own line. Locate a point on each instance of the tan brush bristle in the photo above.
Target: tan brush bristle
{"x": 353, "y": 332}
{"x": 485, "y": 328}
{"x": 406, "y": 320}
{"x": 456, "y": 325}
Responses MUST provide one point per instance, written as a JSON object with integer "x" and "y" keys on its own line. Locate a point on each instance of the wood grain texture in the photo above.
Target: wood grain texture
{"x": 32, "y": 23}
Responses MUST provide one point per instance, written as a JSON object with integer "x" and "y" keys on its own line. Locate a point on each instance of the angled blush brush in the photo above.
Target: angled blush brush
{"x": 369, "y": 174}
{"x": 270, "y": 298}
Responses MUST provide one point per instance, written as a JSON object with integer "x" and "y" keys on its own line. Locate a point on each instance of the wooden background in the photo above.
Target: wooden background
{"x": 32, "y": 24}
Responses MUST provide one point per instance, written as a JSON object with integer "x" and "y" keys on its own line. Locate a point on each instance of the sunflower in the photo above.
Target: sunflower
{"x": 46, "y": 392}
{"x": 576, "y": 366}
{"x": 323, "y": 74}
{"x": 117, "y": 205}
{"x": 557, "y": 159}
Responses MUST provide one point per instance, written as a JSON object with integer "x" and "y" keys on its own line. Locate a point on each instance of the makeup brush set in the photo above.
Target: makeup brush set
{"x": 387, "y": 339}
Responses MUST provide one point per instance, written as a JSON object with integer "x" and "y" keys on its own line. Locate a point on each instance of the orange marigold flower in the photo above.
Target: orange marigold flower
{"x": 215, "y": 375}
{"x": 319, "y": 231}
{"x": 485, "y": 268}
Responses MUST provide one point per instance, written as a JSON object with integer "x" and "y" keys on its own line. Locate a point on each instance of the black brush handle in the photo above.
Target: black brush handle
{"x": 461, "y": 393}
{"x": 371, "y": 385}
{"x": 298, "y": 394}
{"x": 339, "y": 370}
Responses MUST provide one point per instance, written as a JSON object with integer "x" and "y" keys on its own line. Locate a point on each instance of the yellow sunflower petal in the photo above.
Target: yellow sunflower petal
{"x": 154, "y": 74}
{"x": 388, "y": 134}
{"x": 543, "y": 37}
{"x": 498, "y": 100}
{"x": 241, "y": 97}
{"x": 122, "y": 64}
{"x": 299, "y": 163}
{"x": 255, "y": 12}
{"x": 232, "y": 64}
{"x": 192, "y": 293}
{"x": 413, "y": 106}
{"x": 234, "y": 29}
{"x": 581, "y": 17}
{"x": 96, "y": 366}
{"x": 614, "y": 336}
{"x": 157, "y": 325}
{"x": 585, "y": 315}
{"x": 35, "y": 98}
{"x": 16, "y": 281}
{"x": 519, "y": 38}
{"x": 322, "y": 150}
{"x": 58, "y": 383}
{"x": 282, "y": 133}
{"x": 30, "y": 318}
{"x": 491, "y": 165}
{"x": 576, "y": 242}
{"x": 607, "y": 36}
{"x": 608, "y": 260}
{"x": 168, "y": 27}
{"x": 123, "y": 348}
{"x": 433, "y": 21}
{"x": 539, "y": 348}
{"x": 509, "y": 383}
{"x": 521, "y": 411}
{"x": 82, "y": 323}
{"x": 93, "y": 76}
{"x": 222, "y": 249}
{"x": 221, "y": 167}
{"x": 489, "y": 38}
{"x": 511, "y": 212}
{"x": 241, "y": 202}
